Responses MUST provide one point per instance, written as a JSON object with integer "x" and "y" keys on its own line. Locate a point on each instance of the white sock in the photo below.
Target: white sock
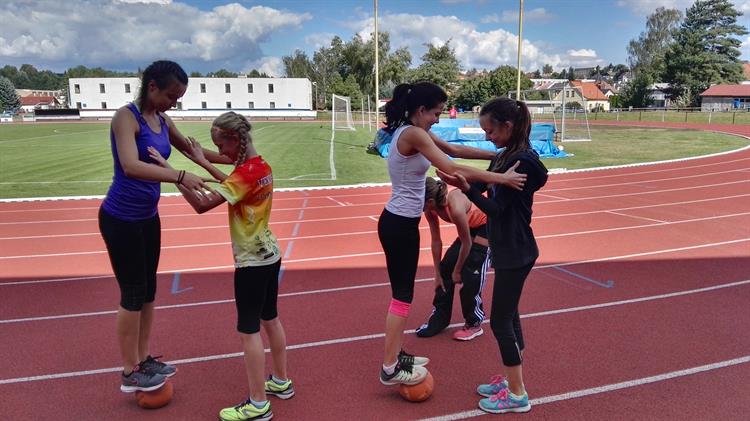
{"x": 278, "y": 380}
{"x": 389, "y": 369}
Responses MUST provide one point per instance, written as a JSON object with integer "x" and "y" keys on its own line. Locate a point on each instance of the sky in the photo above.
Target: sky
{"x": 240, "y": 35}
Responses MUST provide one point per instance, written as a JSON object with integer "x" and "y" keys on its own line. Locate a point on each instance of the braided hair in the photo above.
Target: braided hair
{"x": 436, "y": 190}
{"x": 231, "y": 125}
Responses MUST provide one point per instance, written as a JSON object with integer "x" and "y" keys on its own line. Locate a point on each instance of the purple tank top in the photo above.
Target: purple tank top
{"x": 133, "y": 199}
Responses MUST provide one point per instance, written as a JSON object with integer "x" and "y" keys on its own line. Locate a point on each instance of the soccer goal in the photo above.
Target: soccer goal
{"x": 341, "y": 113}
{"x": 564, "y": 105}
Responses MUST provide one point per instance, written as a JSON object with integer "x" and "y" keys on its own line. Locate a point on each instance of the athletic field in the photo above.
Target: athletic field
{"x": 74, "y": 159}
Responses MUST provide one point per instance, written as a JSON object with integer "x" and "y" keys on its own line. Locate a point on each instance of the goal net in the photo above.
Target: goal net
{"x": 341, "y": 113}
{"x": 562, "y": 105}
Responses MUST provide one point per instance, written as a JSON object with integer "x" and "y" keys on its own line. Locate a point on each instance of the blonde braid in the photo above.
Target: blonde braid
{"x": 236, "y": 125}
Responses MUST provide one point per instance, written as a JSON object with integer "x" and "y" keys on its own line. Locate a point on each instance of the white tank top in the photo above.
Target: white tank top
{"x": 407, "y": 179}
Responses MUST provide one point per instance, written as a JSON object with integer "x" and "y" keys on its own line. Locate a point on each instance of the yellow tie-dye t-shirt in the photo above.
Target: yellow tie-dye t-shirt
{"x": 249, "y": 191}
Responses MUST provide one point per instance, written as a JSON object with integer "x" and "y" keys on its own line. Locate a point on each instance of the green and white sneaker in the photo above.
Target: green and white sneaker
{"x": 246, "y": 411}
{"x": 280, "y": 390}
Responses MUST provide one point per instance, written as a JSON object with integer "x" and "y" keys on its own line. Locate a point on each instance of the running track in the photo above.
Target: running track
{"x": 637, "y": 308}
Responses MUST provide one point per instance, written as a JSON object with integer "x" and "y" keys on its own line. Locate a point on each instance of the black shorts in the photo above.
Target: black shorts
{"x": 256, "y": 291}
{"x": 133, "y": 248}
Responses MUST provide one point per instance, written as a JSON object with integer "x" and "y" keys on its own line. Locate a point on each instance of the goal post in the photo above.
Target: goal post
{"x": 341, "y": 113}
{"x": 565, "y": 106}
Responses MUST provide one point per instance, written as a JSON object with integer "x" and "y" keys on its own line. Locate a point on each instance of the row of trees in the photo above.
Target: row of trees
{"x": 689, "y": 54}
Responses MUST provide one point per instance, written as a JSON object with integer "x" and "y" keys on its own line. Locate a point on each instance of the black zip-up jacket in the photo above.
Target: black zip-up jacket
{"x": 509, "y": 212}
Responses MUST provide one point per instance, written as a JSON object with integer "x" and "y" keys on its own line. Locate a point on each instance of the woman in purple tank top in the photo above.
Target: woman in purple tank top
{"x": 128, "y": 218}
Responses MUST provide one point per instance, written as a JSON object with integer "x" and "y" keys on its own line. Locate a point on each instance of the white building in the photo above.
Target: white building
{"x": 205, "y": 96}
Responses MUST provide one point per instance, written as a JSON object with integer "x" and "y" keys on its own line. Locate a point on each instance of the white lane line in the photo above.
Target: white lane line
{"x": 335, "y": 201}
{"x": 638, "y": 217}
{"x": 372, "y": 336}
{"x": 374, "y": 218}
{"x": 604, "y": 388}
{"x": 208, "y": 268}
{"x": 643, "y": 182}
{"x": 538, "y": 237}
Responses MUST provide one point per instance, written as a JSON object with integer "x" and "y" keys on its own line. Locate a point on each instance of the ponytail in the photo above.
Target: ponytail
{"x": 407, "y": 98}
{"x": 501, "y": 110}
{"x": 436, "y": 190}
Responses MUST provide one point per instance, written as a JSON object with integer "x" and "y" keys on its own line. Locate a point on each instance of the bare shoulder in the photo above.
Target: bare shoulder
{"x": 124, "y": 118}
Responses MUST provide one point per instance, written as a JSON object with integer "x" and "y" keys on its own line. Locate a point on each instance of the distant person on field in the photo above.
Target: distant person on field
{"x": 257, "y": 259}
{"x": 464, "y": 263}
{"x": 409, "y": 116}
{"x": 128, "y": 217}
{"x": 514, "y": 251}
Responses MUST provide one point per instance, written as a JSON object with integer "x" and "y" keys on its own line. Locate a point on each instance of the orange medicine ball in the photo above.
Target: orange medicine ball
{"x": 418, "y": 392}
{"x": 155, "y": 398}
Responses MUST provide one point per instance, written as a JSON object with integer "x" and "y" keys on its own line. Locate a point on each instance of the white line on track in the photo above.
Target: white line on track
{"x": 381, "y": 335}
{"x": 374, "y": 218}
{"x": 643, "y": 182}
{"x": 693, "y": 188}
{"x": 638, "y": 217}
{"x": 604, "y": 388}
{"x": 538, "y": 237}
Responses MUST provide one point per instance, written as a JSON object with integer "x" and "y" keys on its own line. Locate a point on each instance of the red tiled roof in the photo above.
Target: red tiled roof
{"x": 727, "y": 90}
{"x": 34, "y": 100}
{"x": 590, "y": 91}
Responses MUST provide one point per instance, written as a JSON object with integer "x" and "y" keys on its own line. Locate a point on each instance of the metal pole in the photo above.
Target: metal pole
{"x": 362, "y": 108}
{"x": 377, "y": 74}
{"x": 369, "y": 125}
{"x": 520, "y": 38}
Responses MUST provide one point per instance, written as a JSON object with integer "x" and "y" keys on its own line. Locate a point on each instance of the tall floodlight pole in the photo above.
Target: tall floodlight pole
{"x": 520, "y": 38}
{"x": 377, "y": 80}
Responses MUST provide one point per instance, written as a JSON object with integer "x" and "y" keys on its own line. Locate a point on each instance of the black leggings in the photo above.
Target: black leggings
{"x": 256, "y": 292}
{"x": 399, "y": 237}
{"x": 133, "y": 248}
{"x": 472, "y": 276}
{"x": 505, "y": 320}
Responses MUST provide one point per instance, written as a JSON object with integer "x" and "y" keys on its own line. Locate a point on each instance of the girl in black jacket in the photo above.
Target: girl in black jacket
{"x": 513, "y": 248}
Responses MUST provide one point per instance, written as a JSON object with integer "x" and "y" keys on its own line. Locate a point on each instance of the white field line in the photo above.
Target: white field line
{"x": 381, "y": 203}
{"x": 630, "y": 183}
{"x": 539, "y": 237}
{"x": 377, "y": 335}
{"x": 563, "y": 171}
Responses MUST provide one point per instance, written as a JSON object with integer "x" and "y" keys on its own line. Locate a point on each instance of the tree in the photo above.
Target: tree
{"x": 298, "y": 65}
{"x": 547, "y": 69}
{"x": 439, "y": 66}
{"x": 636, "y": 92}
{"x": 196, "y": 74}
{"x": 646, "y": 54}
{"x": 480, "y": 89}
{"x": 221, "y": 73}
{"x": 705, "y": 50}
{"x": 9, "y": 100}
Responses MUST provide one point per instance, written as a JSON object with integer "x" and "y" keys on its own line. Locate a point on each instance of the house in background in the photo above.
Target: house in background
{"x": 726, "y": 98}
{"x": 30, "y": 103}
{"x": 746, "y": 71}
{"x": 657, "y": 93}
{"x": 594, "y": 98}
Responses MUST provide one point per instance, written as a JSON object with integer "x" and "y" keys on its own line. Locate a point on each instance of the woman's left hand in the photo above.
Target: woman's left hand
{"x": 156, "y": 156}
{"x": 456, "y": 276}
{"x": 196, "y": 151}
{"x": 456, "y": 180}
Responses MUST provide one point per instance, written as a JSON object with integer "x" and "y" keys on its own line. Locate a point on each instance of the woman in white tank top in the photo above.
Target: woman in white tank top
{"x": 409, "y": 116}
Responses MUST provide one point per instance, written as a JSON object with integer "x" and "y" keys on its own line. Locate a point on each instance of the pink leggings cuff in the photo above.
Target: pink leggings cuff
{"x": 399, "y": 308}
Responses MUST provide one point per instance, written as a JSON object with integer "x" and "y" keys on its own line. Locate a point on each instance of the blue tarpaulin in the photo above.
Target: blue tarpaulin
{"x": 467, "y": 132}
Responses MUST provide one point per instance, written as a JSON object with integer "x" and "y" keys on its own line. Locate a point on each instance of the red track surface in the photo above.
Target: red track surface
{"x": 673, "y": 238}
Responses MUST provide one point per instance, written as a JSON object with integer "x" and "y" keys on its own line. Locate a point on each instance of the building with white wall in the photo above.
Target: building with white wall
{"x": 205, "y": 96}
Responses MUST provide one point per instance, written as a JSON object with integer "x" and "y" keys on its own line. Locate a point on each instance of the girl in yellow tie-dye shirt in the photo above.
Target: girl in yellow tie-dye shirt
{"x": 249, "y": 192}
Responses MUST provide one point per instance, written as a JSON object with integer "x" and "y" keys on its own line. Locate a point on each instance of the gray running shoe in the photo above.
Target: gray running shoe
{"x": 153, "y": 365}
{"x": 141, "y": 380}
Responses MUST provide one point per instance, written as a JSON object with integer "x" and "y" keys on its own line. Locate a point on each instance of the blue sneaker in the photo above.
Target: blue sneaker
{"x": 497, "y": 383}
{"x": 503, "y": 402}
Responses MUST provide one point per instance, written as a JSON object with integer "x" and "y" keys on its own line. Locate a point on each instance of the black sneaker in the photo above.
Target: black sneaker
{"x": 406, "y": 358}
{"x": 152, "y": 365}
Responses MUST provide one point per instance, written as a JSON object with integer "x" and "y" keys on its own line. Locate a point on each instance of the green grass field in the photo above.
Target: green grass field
{"x": 49, "y": 159}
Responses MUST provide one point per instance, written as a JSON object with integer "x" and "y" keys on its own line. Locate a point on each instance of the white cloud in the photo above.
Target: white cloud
{"x": 745, "y": 47}
{"x": 583, "y": 52}
{"x": 743, "y": 6}
{"x": 272, "y": 66}
{"x": 120, "y": 33}
{"x": 318, "y": 40}
{"x": 474, "y": 48}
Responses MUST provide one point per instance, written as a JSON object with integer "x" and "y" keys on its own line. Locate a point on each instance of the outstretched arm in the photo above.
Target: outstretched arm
{"x": 462, "y": 226}
{"x": 436, "y": 247}
{"x": 185, "y": 144}
{"x": 461, "y": 151}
